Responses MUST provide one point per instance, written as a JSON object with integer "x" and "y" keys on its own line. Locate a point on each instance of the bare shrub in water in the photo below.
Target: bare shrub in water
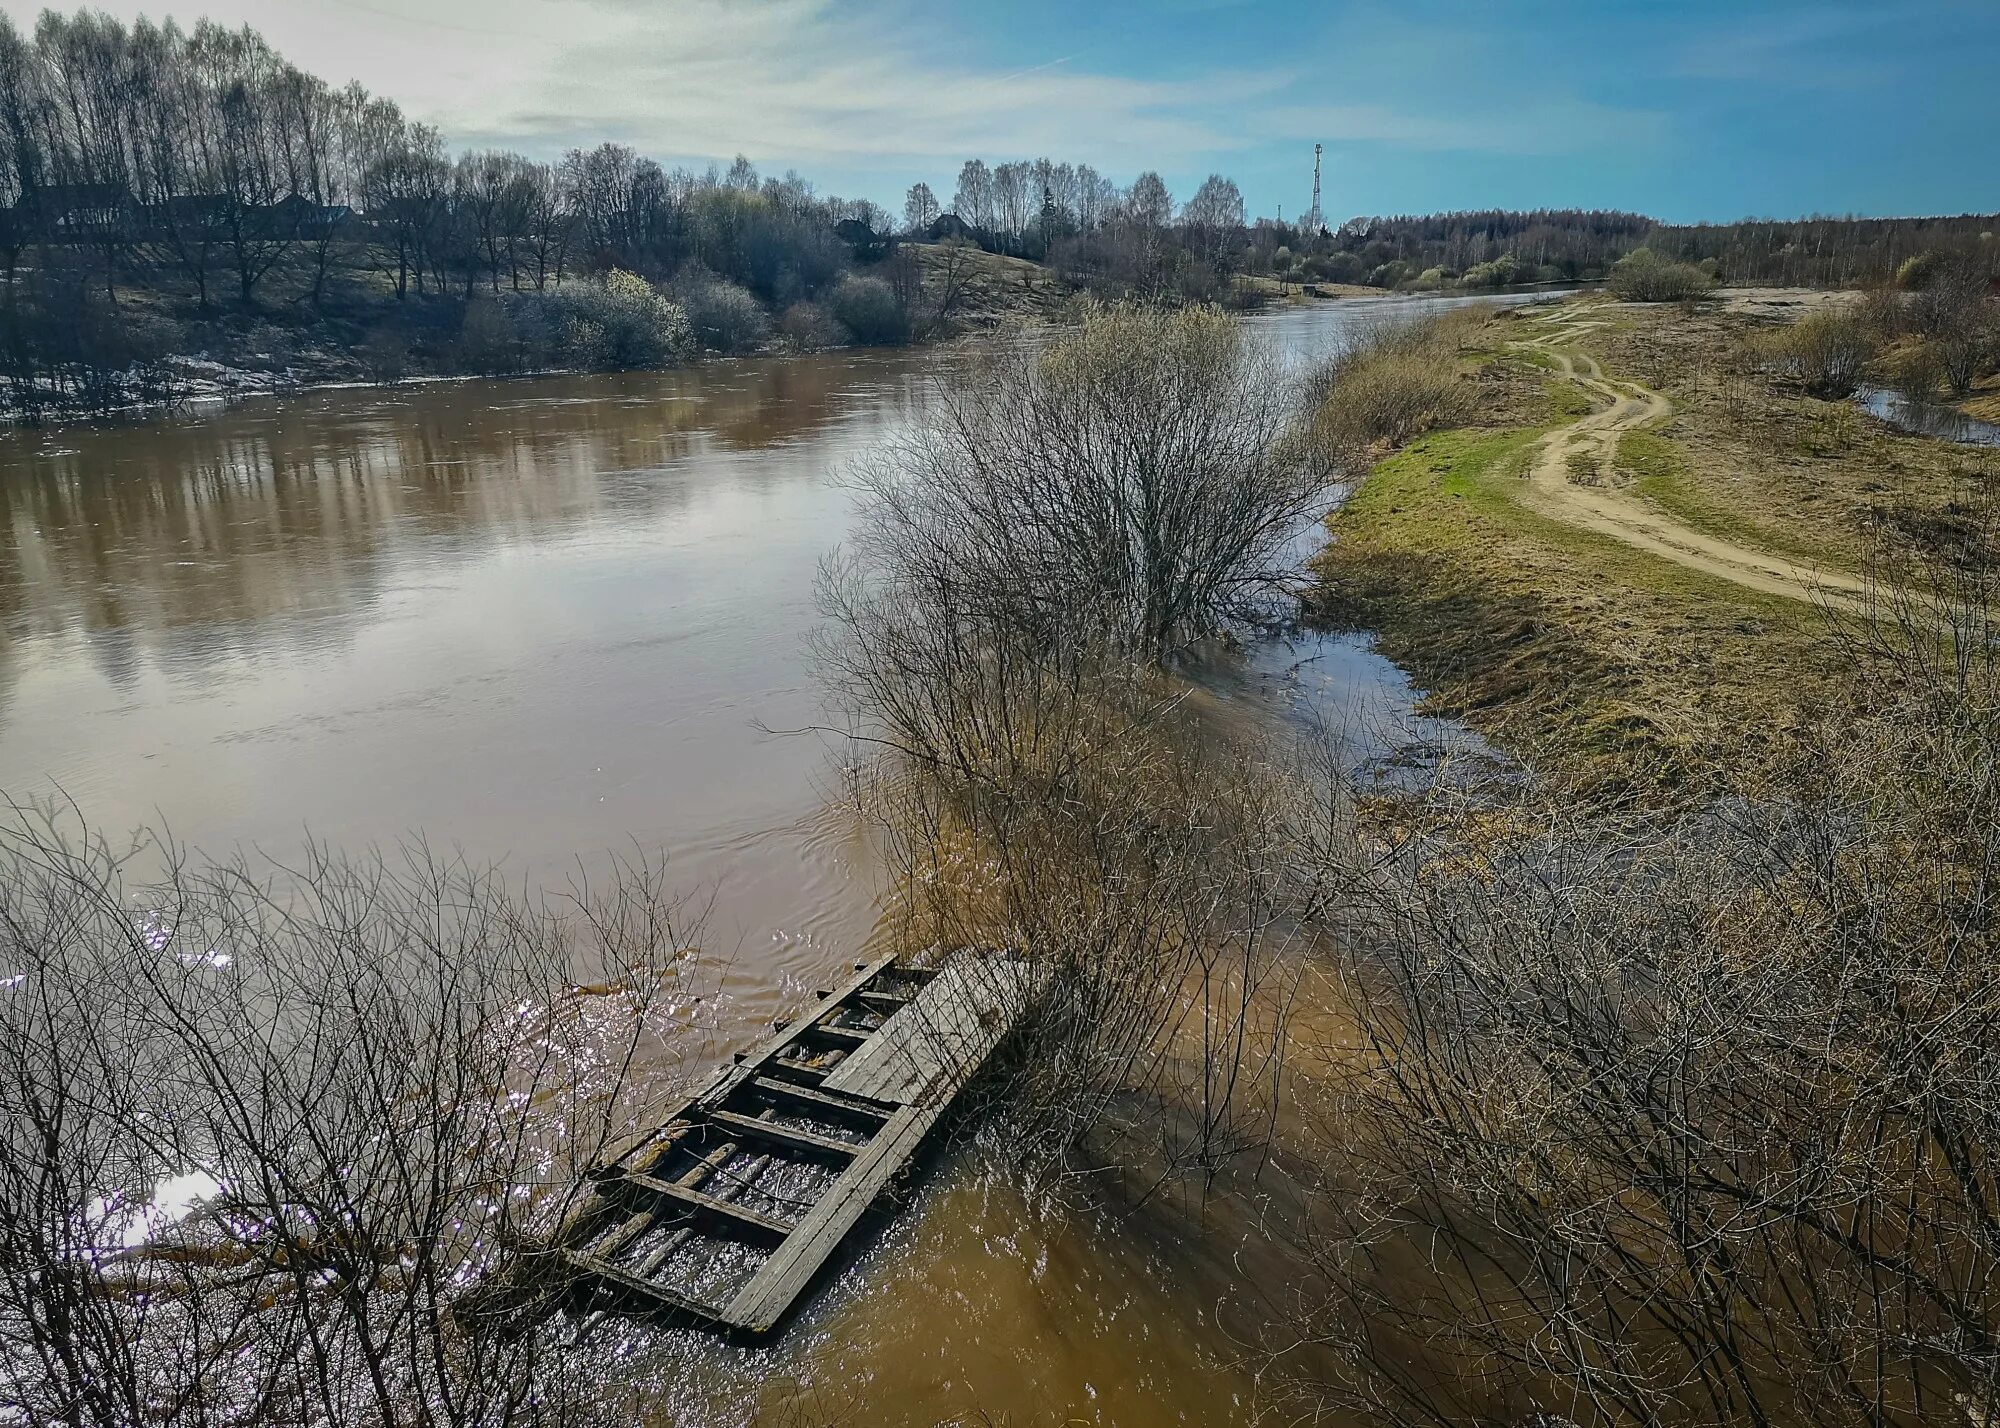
{"x": 1126, "y": 488}
{"x": 1027, "y": 556}
{"x": 1684, "y": 1118}
{"x": 380, "y": 1072}
{"x": 1084, "y": 820}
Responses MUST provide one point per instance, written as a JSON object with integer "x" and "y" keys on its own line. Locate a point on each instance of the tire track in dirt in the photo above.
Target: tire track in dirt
{"x": 1592, "y": 440}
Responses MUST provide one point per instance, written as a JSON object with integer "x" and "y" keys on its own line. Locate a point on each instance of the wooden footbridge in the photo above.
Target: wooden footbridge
{"x": 723, "y": 1215}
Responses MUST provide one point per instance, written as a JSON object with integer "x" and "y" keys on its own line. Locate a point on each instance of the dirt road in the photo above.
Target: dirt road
{"x": 1573, "y": 466}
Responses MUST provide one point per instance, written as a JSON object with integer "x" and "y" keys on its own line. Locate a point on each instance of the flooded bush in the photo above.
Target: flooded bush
{"x": 1683, "y": 1117}
{"x": 621, "y": 323}
{"x": 266, "y": 1128}
{"x": 486, "y": 340}
{"x": 1127, "y": 487}
{"x": 385, "y": 354}
{"x": 811, "y": 328}
{"x": 724, "y": 317}
{"x": 65, "y": 349}
{"x": 1057, "y": 527}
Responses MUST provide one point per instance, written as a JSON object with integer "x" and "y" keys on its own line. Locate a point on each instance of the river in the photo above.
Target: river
{"x": 545, "y": 620}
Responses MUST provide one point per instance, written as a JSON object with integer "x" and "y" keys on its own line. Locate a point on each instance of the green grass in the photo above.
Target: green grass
{"x": 1661, "y": 475}
{"x": 1567, "y": 401}
{"x": 1461, "y": 490}
{"x": 1605, "y": 664}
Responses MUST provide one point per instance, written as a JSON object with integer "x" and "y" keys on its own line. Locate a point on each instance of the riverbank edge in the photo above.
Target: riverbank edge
{"x": 209, "y": 382}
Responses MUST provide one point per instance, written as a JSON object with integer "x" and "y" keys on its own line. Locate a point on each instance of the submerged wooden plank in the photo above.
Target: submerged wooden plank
{"x": 949, "y": 1030}
{"x": 847, "y": 1037}
{"x": 656, "y": 1297}
{"x": 893, "y": 1084}
{"x": 721, "y": 1213}
{"x": 847, "y": 1110}
{"x": 800, "y": 1142}
{"x": 756, "y": 1061}
{"x": 932, "y": 1045}
{"x": 761, "y": 1303}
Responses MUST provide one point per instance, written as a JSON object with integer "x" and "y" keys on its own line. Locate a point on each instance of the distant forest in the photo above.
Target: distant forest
{"x": 1561, "y": 245}
{"x": 169, "y": 195}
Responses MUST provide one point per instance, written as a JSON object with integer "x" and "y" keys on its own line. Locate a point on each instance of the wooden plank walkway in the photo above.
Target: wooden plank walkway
{"x": 838, "y": 1101}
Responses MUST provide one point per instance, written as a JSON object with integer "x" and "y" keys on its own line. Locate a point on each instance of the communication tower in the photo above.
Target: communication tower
{"x": 1313, "y": 221}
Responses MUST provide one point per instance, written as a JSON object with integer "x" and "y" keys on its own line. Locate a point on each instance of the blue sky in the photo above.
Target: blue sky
{"x": 1684, "y": 109}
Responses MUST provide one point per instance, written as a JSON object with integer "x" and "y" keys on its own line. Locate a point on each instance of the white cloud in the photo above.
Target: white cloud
{"x": 812, "y": 79}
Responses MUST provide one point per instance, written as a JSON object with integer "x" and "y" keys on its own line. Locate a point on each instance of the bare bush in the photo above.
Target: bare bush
{"x": 1139, "y": 863}
{"x": 1126, "y": 488}
{"x": 810, "y": 328}
{"x": 1643, "y": 276}
{"x": 868, "y": 308}
{"x": 1827, "y": 352}
{"x": 1393, "y": 385}
{"x": 373, "y": 1075}
{"x": 724, "y": 317}
{"x": 622, "y": 322}
{"x": 1026, "y": 559}
{"x": 1955, "y": 313}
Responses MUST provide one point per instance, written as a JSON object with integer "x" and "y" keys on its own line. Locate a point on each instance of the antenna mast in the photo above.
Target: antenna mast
{"x": 1313, "y": 223}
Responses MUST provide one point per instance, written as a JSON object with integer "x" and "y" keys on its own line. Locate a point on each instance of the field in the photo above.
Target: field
{"x": 1631, "y": 569}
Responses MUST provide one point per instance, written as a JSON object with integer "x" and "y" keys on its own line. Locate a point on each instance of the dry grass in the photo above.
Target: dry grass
{"x": 1398, "y": 384}
{"x": 1603, "y": 663}
{"x": 1759, "y": 461}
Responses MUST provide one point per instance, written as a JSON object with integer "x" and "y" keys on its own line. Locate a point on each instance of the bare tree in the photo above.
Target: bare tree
{"x": 373, "y": 1077}
{"x": 920, "y": 209}
{"x": 1013, "y": 201}
{"x": 1148, "y": 203}
{"x": 1214, "y": 217}
{"x": 973, "y": 202}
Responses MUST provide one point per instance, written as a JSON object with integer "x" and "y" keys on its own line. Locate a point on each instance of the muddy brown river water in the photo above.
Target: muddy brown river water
{"x": 547, "y": 619}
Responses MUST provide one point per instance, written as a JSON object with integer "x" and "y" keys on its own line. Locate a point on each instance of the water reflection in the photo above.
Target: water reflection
{"x": 1927, "y": 418}
{"x": 281, "y": 509}
{"x": 533, "y": 619}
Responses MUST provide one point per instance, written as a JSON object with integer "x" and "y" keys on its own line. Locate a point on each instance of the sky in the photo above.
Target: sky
{"x": 1686, "y": 110}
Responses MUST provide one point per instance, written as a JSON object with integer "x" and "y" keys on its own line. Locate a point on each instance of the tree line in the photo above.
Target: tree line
{"x": 1496, "y": 247}
{"x": 202, "y": 154}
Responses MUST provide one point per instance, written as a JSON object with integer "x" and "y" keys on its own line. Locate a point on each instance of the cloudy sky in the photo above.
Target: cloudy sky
{"x": 1686, "y": 109}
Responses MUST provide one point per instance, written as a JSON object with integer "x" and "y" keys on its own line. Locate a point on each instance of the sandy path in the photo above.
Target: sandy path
{"x": 1556, "y": 492}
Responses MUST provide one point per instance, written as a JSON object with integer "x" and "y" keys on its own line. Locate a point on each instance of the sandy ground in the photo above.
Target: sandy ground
{"x": 1590, "y": 444}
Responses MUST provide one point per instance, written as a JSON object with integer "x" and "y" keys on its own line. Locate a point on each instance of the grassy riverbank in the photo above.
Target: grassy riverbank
{"x": 1655, "y": 609}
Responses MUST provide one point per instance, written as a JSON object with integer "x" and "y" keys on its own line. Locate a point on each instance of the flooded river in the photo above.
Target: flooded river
{"x": 547, "y": 619}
